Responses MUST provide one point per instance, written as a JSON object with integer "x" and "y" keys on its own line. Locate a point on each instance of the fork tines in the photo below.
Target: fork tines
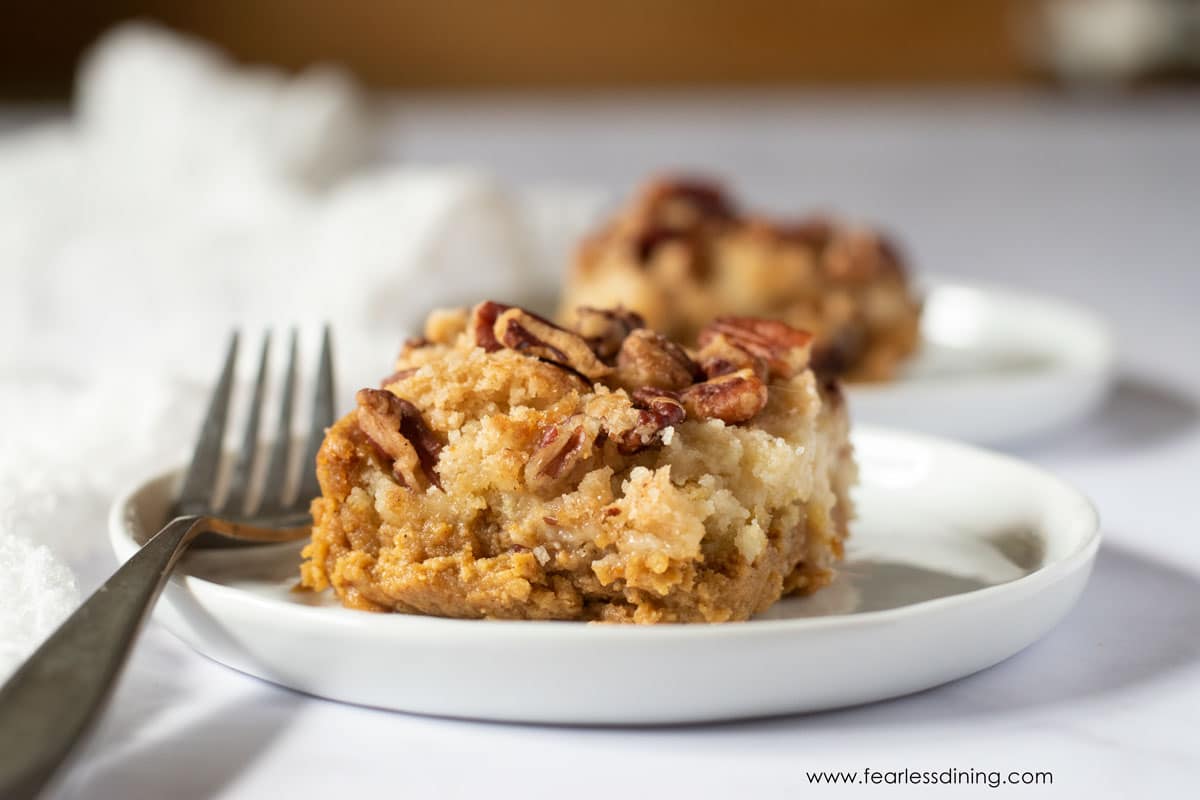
{"x": 198, "y": 494}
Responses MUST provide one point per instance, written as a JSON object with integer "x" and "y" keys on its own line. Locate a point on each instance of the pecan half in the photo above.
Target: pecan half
{"x": 528, "y": 333}
{"x": 650, "y": 359}
{"x": 658, "y": 410}
{"x": 483, "y": 323}
{"x": 731, "y": 398}
{"x": 784, "y": 349}
{"x": 605, "y": 328}
{"x": 719, "y": 356}
{"x": 395, "y": 426}
{"x": 559, "y": 451}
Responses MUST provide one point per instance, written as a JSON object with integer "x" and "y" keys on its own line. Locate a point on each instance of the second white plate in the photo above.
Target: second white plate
{"x": 959, "y": 559}
{"x": 995, "y": 366}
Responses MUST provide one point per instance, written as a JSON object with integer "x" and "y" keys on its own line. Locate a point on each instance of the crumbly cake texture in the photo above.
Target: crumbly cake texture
{"x": 514, "y": 469}
{"x": 681, "y": 254}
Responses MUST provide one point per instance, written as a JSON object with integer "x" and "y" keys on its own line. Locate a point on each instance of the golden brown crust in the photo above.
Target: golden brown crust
{"x": 555, "y": 497}
{"x": 681, "y": 255}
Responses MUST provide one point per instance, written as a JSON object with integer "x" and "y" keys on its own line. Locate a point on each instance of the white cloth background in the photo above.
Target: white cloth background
{"x": 1095, "y": 200}
{"x": 185, "y": 197}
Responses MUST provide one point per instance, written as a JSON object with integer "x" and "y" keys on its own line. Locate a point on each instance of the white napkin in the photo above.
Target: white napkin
{"x": 184, "y": 197}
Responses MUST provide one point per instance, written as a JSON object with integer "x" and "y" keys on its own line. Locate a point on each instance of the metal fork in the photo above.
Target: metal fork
{"x": 51, "y": 701}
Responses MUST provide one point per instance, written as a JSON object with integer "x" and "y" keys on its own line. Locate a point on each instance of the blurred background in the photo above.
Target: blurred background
{"x": 473, "y": 44}
{"x": 209, "y": 149}
{"x": 1017, "y": 141}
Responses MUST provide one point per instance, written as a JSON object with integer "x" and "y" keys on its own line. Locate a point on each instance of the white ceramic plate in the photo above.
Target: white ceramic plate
{"x": 995, "y": 366}
{"x": 959, "y": 559}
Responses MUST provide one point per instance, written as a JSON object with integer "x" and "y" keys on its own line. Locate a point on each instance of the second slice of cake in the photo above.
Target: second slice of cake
{"x": 682, "y": 253}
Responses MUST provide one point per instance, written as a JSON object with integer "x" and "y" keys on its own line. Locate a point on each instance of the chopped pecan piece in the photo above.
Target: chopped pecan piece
{"x": 892, "y": 255}
{"x": 395, "y": 426}
{"x": 674, "y": 212}
{"x": 839, "y": 350}
{"x": 605, "y": 328}
{"x": 658, "y": 410}
{"x": 649, "y": 239}
{"x": 528, "y": 333}
{"x": 816, "y": 232}
{"x": 650, "y": 359}
{"x": 483, "y": 323}
{"x": 784, "y": 349}
{"x": 410, "y": 344}
{"x": 831, "y": 392}
{"x": 731, "y": 398}
{"x": 559, "y": 451}
{"x": 859, "y": 255}
{"x": 700, "y": 197}
{"x": 676, "y": 252}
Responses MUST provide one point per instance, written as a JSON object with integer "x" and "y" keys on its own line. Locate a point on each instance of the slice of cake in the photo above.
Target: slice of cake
{"x": 511, "y": 468}
{"x": 681, "y": 254}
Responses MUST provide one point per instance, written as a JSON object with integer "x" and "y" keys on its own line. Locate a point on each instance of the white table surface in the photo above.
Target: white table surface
{"x": 1095, "y": 199}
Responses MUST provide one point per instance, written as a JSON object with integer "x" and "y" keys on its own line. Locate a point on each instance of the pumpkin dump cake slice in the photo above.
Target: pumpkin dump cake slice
{"x": 511, "y": 468}
{"x": 681, "y": 254}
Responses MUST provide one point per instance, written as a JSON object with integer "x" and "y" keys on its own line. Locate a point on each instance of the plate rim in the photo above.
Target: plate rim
{"x": 1044, "y": 576}
{"x": 1101, "y": 365}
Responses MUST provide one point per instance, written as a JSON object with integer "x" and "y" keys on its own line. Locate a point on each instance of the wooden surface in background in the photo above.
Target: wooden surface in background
{"x": 544, "y": 43}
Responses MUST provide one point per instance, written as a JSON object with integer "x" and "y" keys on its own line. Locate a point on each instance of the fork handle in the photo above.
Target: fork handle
{"x": 50, "y": 702}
